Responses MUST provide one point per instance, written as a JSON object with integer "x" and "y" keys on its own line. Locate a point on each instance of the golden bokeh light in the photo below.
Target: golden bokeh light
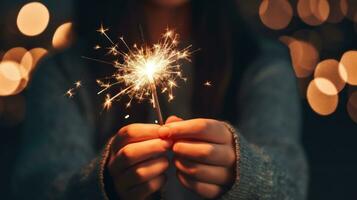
{"x": 33, "y": 19}
{"x": 37, "y": 54}
{"x": 14, "y": 54}
{"x": 63, "y": 36}
{"x": 275, "y": 14}
{"x": 304, "y": 56}
{"x": 352, "y": 106}
{"x": 10, "y": 77}
{"x": 313, "y": 12}
{"x": 338, "y": 10}
{"x": 331, "y": 70}
{"x": 349, "y": 62}
{"x": 322, "y": 96}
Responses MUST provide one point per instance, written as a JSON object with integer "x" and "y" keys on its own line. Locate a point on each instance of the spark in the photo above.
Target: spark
{"x": 70, "y": 93}
{"x": 127, "y": 116}
{"x": 78, "y": 84}
{"x": 107, "y": 103}
{"x": 207, "y": 83}
{"x": 96, "y": 47}
{"x": 144, "y": 69}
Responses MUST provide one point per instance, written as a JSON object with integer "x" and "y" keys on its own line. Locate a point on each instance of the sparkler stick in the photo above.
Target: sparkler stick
{"x": 156, "y": 103}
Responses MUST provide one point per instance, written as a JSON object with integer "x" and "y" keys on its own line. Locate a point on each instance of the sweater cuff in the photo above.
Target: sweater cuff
{"x": 88, "y": 183}
{"x": 250, "y": 179}
{"x": 105, "y": 184}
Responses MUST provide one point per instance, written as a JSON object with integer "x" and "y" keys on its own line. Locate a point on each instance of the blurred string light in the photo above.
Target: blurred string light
{"x": 313, "y": 12}
{"x": 352, "y": 106}
{"x": 63, "y": 36}
{"x": 275, "y": 14}
{"x": 320, "y": 80}
{"x": 331, "y": 70}
{"x": 349, "y": 62}
{"x": 17, "y": 63}
{"x": 33, "y": 19}
{"x": 322, "y": 96}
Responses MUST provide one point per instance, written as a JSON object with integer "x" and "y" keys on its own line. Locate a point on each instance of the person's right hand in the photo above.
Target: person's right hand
{"x": 137, "y": 161}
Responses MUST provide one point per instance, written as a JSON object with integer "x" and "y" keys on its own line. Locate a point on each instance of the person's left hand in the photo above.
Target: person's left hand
{"x": 204, "y": 154}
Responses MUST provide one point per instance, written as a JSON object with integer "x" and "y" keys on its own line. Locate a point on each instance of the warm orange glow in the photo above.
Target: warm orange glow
{"x": 37, "y": 54}
{"x": 352, "y": 106}
{"x": 321, "y": 96}
{"x": 275, "y": 14}
{"x": 338, "y": 10}
{"x": 33, "y": 19}
{"x": 63, "y": 36}
{"x": 10, "y": 77}
{"x": 313, "y": 12}
{"x": 26, "y": 64}
{"x": 349, "y": 62}
{"x": 304, "y": 56}
{"x": 14, "y": 54}
{"x": 331, "y": 70}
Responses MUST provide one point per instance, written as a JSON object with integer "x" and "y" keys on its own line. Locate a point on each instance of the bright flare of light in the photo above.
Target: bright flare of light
{"x": 144, "y": 67}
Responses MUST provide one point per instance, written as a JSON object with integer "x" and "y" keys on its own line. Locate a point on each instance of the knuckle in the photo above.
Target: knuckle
{"x": 202, "y": 124}
{"x": 193, "y": 171}
{"x": 140, "y": 173}
{"x": 206, "y": 152}
{"x": 126, "y": 153}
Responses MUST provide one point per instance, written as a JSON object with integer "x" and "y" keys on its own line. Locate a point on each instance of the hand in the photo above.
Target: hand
{"x": 137, "y": 161}
{"x": 204, "y": 155}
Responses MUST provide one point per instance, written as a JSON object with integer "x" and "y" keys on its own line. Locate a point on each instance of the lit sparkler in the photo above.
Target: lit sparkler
{"x": 144, "y": 70}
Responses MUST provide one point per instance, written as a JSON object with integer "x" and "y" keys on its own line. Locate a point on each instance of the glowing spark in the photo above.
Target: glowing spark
{"x": 207, "y": 83}
{"x": 70, "y": 93}
{"x": 156, "y": 121}
{"x": 96, "y": 47}
{"x": 127, "y": 116}
{"x": 78, "y": 84}
{"x": 108, "y": 102}
{"x": 144, "y": 69}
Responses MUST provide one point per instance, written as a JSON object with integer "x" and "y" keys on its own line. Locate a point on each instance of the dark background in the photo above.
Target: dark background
{"x": 329, "y": 141}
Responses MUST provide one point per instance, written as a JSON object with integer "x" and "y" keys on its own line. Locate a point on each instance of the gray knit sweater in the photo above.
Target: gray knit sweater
{"x": 58, "y": 158}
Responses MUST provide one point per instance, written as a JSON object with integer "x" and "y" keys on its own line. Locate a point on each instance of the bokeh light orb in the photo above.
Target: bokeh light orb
{"x": 275, "y": 14}
{"x": 63, "y": 36}
{"x": 313, "y": 12}
{"x": 10, "y": 77}
{"x": 322, "y": 96}
{"x": 14, "y": 54}
{"x": 352, "y": 106}
{"x": 33, "y": 19}
{"x": 304, "y": 56}
{"x": 349, "y": 62}
{"x": 331, "y": 70}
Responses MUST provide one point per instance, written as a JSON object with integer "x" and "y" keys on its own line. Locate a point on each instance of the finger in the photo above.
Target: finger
{"x": 173, "y": 118}
{"x": 206, "y": 190}
{"x": 134, "y": 153}
{"x": 204, "y": 173}
{"x": 135, "y": 133}
{"x": 203, "y": 152}
{"x": 203, "y": 129}
{"x": 143, "y": 172}
{"x": 146, "y": 189}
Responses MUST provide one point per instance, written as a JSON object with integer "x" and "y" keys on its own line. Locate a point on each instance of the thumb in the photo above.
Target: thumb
{"x": 173, "y": 118}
